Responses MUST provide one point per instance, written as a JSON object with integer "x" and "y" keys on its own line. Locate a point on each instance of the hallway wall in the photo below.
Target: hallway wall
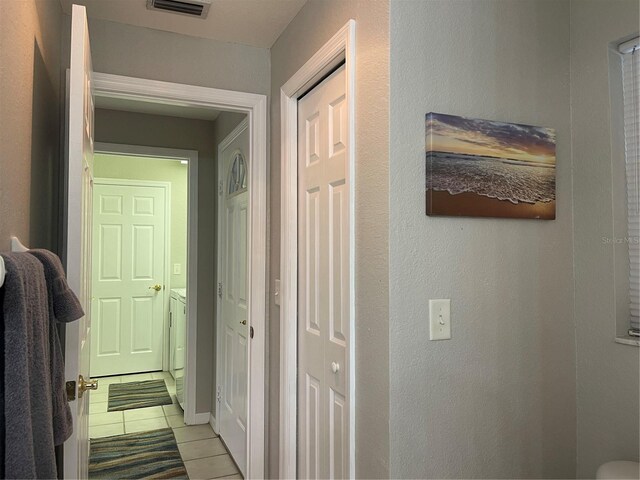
{"x": 158, "y": 55}
{"x": 497, "y": 400}
{"x": 30, "y": 99}
{"x": 608, "y": 373}
{"x": 314, "y": 25}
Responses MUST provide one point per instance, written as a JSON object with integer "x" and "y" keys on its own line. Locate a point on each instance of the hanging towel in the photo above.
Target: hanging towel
{"x": 64, "y": 307}
{"x": 28, "y": 412}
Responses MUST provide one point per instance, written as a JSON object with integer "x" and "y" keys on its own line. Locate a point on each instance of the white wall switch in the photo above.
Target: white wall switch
{"x": 276, "y": 292}
{"x": 440, "y": 319}
{"x": 177, "y": 268}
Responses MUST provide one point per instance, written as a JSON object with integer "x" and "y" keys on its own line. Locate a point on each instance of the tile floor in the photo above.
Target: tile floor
{"x": 203, "y": 454}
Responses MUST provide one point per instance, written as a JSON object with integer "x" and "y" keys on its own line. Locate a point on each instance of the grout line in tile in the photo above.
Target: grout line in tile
{"x": 208, "y": 456}
{"x": 107, "y": 424}
{"x": 227, "y": 475}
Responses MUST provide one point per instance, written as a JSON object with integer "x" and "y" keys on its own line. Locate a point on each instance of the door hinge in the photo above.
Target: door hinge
{"x": 250, "y": 332}
{"x": 219, "y": 393}
{"x": 71, "y": 390}
{"x": 170, "y": 319}
{"x": 220, "y": 188}
{"x": 220, "y": 289}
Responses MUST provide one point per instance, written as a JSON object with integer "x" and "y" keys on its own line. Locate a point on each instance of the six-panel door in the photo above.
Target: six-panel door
{"x": 323, "y": 281}
{"x": 128, "y": 265}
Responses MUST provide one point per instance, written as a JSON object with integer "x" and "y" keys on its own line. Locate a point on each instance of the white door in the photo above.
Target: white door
{"x": 79, "y": 179}
{"x": 128, "y": 278}
{"x": 323, "y": 276}
{"x": 232, "y": 294}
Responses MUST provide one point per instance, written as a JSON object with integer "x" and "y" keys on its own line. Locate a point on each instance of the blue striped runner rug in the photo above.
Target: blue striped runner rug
{"x": 151, "y": 454}
{"x": 148, "y": 393}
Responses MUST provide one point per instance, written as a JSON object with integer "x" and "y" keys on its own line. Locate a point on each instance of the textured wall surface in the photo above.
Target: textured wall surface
{"x": 30, "y": 156}
{"x": 607, "y": 373}
{"x": 498, "y": 399}
{"x": 316, "y": 23}
{"x": 142, "y": 52}
{"x": 172, "y": 132}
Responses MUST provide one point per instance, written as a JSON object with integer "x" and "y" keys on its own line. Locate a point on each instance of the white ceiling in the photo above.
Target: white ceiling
{"x": 251, "y": 22}
{"x": 150, "y": 108}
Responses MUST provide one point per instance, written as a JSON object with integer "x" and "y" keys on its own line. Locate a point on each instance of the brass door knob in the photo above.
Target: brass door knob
{"x": 157, "y": 287}
{"x": 243, "y": 322}
{"x": 84, "y": 385}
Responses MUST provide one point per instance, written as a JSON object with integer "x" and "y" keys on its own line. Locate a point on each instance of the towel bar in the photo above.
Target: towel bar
{"x": 16, "y": 246}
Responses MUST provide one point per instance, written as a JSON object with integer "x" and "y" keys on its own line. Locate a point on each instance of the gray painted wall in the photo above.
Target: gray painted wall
{"x": 142, "y": 52}
{"x": 316, "y": 23}
{"x": 30, "y": 156}
{"x": 172, "y": 132}
{"x": 608, "y": 373}
{"x": 498, "y": 399}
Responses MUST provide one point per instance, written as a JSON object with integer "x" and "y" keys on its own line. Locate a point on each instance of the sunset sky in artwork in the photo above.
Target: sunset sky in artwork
{"x": 470, "y": 136}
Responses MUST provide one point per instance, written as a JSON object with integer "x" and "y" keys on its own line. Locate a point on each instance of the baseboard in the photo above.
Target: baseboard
{"x": 213, "y": 423}
{"x": 201, "y": 418}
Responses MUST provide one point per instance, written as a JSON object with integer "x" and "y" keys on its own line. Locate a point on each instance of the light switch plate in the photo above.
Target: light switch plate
{"x": 440, "y": 319}
{"x": 276, "y": 292}
{"x": 177, "y": 268}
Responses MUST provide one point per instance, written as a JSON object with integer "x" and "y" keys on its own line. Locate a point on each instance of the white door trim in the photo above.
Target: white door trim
{"x": 255, "y": 107}
{"x": 341, "y": 47}
{"x": 166, "y": 274}
{"x": 172, "y": 154}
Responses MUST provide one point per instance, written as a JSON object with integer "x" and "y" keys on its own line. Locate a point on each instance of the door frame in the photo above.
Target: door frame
{"x": 170, "y": 154}
{"x": 255, "y": 107}
{"x": 237, "y": 131}
{"x": 340, "y": 48}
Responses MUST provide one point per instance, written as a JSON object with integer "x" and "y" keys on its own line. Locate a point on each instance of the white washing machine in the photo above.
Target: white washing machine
{"x": 178, "y": 339}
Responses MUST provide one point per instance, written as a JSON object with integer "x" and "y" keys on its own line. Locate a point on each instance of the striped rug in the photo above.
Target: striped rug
{"x": 148, "y": 393}
{"x": 151, "y": 454}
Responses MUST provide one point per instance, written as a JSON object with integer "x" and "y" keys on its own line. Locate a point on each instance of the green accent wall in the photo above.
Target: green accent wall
{"x": 152, "y": 169}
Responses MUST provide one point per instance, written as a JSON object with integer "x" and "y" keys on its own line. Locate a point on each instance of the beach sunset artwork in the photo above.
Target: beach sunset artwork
{"x": 484, "y": 168}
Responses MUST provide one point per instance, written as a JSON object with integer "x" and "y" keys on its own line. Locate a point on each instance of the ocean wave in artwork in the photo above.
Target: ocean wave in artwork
{"x": 500, "y": 178}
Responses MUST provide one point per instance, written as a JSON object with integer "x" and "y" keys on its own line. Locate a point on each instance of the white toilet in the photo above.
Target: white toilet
{"x": 619, "y": 470}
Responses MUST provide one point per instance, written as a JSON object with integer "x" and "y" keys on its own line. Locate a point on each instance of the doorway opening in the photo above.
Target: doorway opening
{"x": 140, "y": 235}
{"x": 84, "y": 87}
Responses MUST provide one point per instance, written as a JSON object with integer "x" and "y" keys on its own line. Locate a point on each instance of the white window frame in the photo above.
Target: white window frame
{"x": 625, "y": 144}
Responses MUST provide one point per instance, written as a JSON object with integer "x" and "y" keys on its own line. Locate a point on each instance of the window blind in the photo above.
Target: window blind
{"x": 631, "y": 92}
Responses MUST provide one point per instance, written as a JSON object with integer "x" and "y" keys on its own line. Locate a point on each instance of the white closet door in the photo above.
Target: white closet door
{"x": 323, "y": 288}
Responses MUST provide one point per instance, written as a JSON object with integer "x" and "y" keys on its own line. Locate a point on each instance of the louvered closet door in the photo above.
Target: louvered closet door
{"x": 323, "y": 281}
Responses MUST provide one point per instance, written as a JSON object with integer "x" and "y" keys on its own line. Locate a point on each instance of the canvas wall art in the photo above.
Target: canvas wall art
{"x": 484, "y": 168}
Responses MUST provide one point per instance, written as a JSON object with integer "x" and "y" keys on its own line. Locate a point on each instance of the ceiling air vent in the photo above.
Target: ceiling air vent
{"x": 193, "y": 8}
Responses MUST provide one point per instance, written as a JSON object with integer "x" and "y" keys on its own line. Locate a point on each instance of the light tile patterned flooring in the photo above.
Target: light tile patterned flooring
{"x": 203, "y": 454}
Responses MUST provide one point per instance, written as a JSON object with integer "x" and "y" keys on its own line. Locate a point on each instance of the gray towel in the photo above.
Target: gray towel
{"x": 28, "y": 439}
{"x": 65, "y": 307}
